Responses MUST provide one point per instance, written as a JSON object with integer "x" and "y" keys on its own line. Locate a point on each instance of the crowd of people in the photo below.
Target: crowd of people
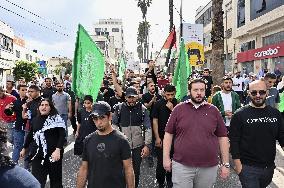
{"x": 139, "y": 118}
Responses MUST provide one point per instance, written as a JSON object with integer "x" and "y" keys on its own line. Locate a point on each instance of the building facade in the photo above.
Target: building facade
{"x": 260, "y": 35}
{"x": 6, "y": 52}
{"x": 112, "y": 30}
{"x": 254, "y": 34}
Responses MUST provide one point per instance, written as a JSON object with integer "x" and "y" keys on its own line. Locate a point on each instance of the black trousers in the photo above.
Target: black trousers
{"x": 73, "y": 123}
{"x": 136, "y": 161}
{"x": 161, "y": 174}
{"x": 53, "y": 169}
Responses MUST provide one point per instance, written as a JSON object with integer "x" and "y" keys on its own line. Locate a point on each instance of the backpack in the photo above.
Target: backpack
{"x": 118, "y": 107}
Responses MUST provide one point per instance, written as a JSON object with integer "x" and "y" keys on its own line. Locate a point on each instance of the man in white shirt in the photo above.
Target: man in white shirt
{"x": 238, "y": 85}
{"x": 227, "y": 101}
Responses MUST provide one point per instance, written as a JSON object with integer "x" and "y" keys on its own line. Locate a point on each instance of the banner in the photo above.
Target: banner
{"x": 88, "y": 67}
{"x": 193, "y": 39}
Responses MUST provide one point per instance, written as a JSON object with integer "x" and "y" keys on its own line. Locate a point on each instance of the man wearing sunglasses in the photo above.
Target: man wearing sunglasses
{"x": 106, "y": 159}
{"x": 253, "y": 133}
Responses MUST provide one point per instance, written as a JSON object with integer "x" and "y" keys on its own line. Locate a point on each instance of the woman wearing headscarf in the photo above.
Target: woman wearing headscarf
{"x": 47, "y": 137}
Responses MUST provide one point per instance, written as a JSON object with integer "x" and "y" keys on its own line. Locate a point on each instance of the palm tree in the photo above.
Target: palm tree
{"x": 142, "y": 34}
{"x": 217, "y": 33}
{"x": 144, "y": 5}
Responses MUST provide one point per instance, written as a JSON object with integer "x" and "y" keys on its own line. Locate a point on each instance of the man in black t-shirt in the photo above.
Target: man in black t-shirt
{"x": 209, "y": 82}
{"x": 254, "y": 130}
{"x": 106, "y": 159}
{"x": 49, "y": 90}
{"x": 160, "y": 114}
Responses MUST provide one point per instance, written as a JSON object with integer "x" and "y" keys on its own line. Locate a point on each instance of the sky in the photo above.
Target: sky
{"x": 50, "y": 25}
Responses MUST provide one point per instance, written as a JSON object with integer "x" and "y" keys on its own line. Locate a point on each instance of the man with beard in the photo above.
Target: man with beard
{"x": 149, "y": 99}
{"x": 227, "y": 101}
{"x": 106, "y": 160}
{"x": 273, "y": 98}
{"x": 198, "y": 130}
{"x": 160, "y": 114}
{"x": 48, "y": 90}
{"x": 253, "y": 134}
{"x": 209, "y": 82}
{"x": 132, "y": 118}
{"x": 62, "y": 103}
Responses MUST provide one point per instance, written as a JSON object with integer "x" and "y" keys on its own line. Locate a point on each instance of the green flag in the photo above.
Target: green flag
{"x": 182, "y": 72}
{"x": 88, "y": 67}
{"x": 121, "y": 68}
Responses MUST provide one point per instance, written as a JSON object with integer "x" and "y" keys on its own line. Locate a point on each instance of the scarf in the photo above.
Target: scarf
{"x": 50, "y": 123}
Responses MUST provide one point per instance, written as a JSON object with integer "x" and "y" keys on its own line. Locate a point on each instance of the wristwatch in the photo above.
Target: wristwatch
{"x": 226, "y": 165}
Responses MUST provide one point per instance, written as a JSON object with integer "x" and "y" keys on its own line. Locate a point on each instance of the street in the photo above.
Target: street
{"x": 147, "y": 180}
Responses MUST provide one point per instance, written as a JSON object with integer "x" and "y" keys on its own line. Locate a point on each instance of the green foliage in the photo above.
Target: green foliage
{"x": 25, "y": 69}
{"x": 143, "y": 5}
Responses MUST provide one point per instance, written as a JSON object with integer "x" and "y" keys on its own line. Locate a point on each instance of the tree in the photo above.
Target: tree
{"x": 144, "y": 5}
{"x": 25, "y": 69}
{"x": 143, "y": 32}
{"x": 217, "y": 39}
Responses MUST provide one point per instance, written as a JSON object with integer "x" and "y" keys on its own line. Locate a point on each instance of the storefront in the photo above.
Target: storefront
{"x": 270, "y": 57}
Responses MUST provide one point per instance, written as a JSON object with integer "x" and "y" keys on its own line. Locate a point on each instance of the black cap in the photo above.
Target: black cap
{"x": 131, "y": 92}
{"x": 101, "y": 108}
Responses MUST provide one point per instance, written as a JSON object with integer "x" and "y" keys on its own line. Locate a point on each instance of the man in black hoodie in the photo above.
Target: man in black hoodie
{"x": 253, "y": 133}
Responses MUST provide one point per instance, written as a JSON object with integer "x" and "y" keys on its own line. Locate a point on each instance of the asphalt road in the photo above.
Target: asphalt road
{"x": 147, "y": 180}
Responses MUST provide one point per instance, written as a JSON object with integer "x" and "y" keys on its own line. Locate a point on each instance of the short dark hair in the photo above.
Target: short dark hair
{"x": 21, "y": 85}
{"x": 227, "y": 78}
{"x": 89, "y": 98}
{"x": 270, "y": 75}
{"x": 132, "y": 83}
{"x": 206, "y": 69}
{"x": 169, "y": 88}
{"x": 11, "y": 81}
{"x": 150, "y": 82}
{"x": 47, "y": 78}
{"x": 34, "y": 87}
{"x": 53, "y": 110}
{"x": 194, "y": 81}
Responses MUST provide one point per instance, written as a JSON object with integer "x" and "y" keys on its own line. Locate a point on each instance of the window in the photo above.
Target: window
{"x": 31, "y": 58}
{"x": 205, "y": 18}
{"x": 241, "y": 13}
{"x": 6, "y": 43}
{"x": 18, "y": 54}
{"x": 273, "y": 39}
{"x": 98, "y": 29}
{"x": 115, "y": 29}
{"x": 261, "y": 7}
{"x": 247, "y": 46}
{"x": 27, "y": 57}
{"x": 228, "y": 33}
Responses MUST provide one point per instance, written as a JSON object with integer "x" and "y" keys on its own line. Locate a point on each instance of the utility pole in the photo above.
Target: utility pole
{"x": 171, "y": 13}
{"x": 181, "y": 25}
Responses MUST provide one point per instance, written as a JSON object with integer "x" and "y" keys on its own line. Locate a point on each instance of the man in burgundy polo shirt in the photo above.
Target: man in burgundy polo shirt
{"x": 198, "y": 130}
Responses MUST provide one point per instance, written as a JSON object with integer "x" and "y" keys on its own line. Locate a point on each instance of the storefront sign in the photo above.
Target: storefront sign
{"x": 4, "y": 64}
{"x": 261, "y": 53}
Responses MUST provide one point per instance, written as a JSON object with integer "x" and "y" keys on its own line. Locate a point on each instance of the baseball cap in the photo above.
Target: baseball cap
{"x": 131, "y": 92}
{"x": 100, "y": 108}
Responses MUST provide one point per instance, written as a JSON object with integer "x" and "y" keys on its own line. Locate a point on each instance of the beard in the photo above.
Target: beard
{"x": 59, "y": 90}
{"x": 101, "y": 129}
{"x": 258, "y": 104}
{"x": 227, "y": 88}
{"x": 197, "y": 100}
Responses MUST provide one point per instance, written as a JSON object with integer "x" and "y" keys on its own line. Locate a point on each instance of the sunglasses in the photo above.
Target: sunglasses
{"x": 96, "y": 118}
{"x": 260, "y": 92}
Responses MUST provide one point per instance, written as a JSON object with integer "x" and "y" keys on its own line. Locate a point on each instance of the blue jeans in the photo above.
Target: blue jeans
{"x": 19, "y": 137}
{"x": 65, "y": 119}
{"x": 10, "y": 132}
{"x": 256, "y": 177}
{"x": 17, "y": 177}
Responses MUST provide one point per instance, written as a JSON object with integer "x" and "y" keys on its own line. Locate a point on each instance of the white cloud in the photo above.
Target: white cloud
{"x": 71, "y": 12}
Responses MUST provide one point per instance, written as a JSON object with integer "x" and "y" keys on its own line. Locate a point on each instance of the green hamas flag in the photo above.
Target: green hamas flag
{"x": 88, "y": 67}
{"x": 121, "y": 68}
{"x": 182, "y": 72}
